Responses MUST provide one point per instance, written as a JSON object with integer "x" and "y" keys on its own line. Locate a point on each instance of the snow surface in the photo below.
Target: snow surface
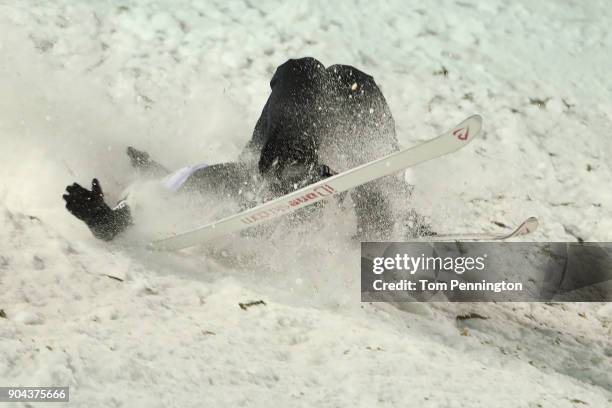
{"x": 186, "y": 81}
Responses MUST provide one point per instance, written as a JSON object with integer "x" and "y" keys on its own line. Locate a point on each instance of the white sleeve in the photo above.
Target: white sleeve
{"x": 175, "y": 180}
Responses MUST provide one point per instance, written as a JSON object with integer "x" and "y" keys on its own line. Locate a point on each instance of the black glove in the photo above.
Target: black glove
{"x": 284, "y": 180}
{"x": 89, "y": 207}
{"x": 142, "y": 162}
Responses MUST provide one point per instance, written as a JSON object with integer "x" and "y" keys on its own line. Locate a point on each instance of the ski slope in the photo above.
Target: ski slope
{"x": 186, "y": 81}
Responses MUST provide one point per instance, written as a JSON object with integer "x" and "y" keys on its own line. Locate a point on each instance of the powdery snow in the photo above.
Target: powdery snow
{"x": 186, "y": 81}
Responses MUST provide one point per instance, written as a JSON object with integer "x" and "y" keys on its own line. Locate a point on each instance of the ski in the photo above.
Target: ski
{"x": 526, "y": 227}
{"x": 446, "y": 143}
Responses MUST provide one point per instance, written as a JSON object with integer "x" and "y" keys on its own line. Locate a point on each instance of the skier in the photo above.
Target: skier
{"x": 316, "y": 119}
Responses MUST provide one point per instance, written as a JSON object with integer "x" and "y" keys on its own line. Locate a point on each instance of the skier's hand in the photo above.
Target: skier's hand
{"x": 139, "y": 158}
{"x": 317, "y": 173}
{"x": 142, "y": 162}
{"x": 88, "y": 206}
{"x": 296, "y": 176}
{"x": 323, "y": 171}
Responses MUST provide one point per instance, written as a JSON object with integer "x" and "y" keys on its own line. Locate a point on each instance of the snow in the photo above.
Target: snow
{"x": 186, "y": 80}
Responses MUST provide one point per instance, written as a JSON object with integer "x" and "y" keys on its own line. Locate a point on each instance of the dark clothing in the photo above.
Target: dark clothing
{"x": 315, "y": 111}
{"x": 316, "y": 116}
{"x": 316, "y": 121}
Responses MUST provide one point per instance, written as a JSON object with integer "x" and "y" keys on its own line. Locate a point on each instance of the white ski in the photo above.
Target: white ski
{"x": 448, "y": 142}
{"x": 527, "y": 227}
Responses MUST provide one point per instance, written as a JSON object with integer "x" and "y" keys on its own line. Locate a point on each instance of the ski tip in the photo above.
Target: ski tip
{"x": 467, "y": 130}
{"x": 476, "y": 117}
{"x": 528, "y": 226}
{"x": 475, "y": 123}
